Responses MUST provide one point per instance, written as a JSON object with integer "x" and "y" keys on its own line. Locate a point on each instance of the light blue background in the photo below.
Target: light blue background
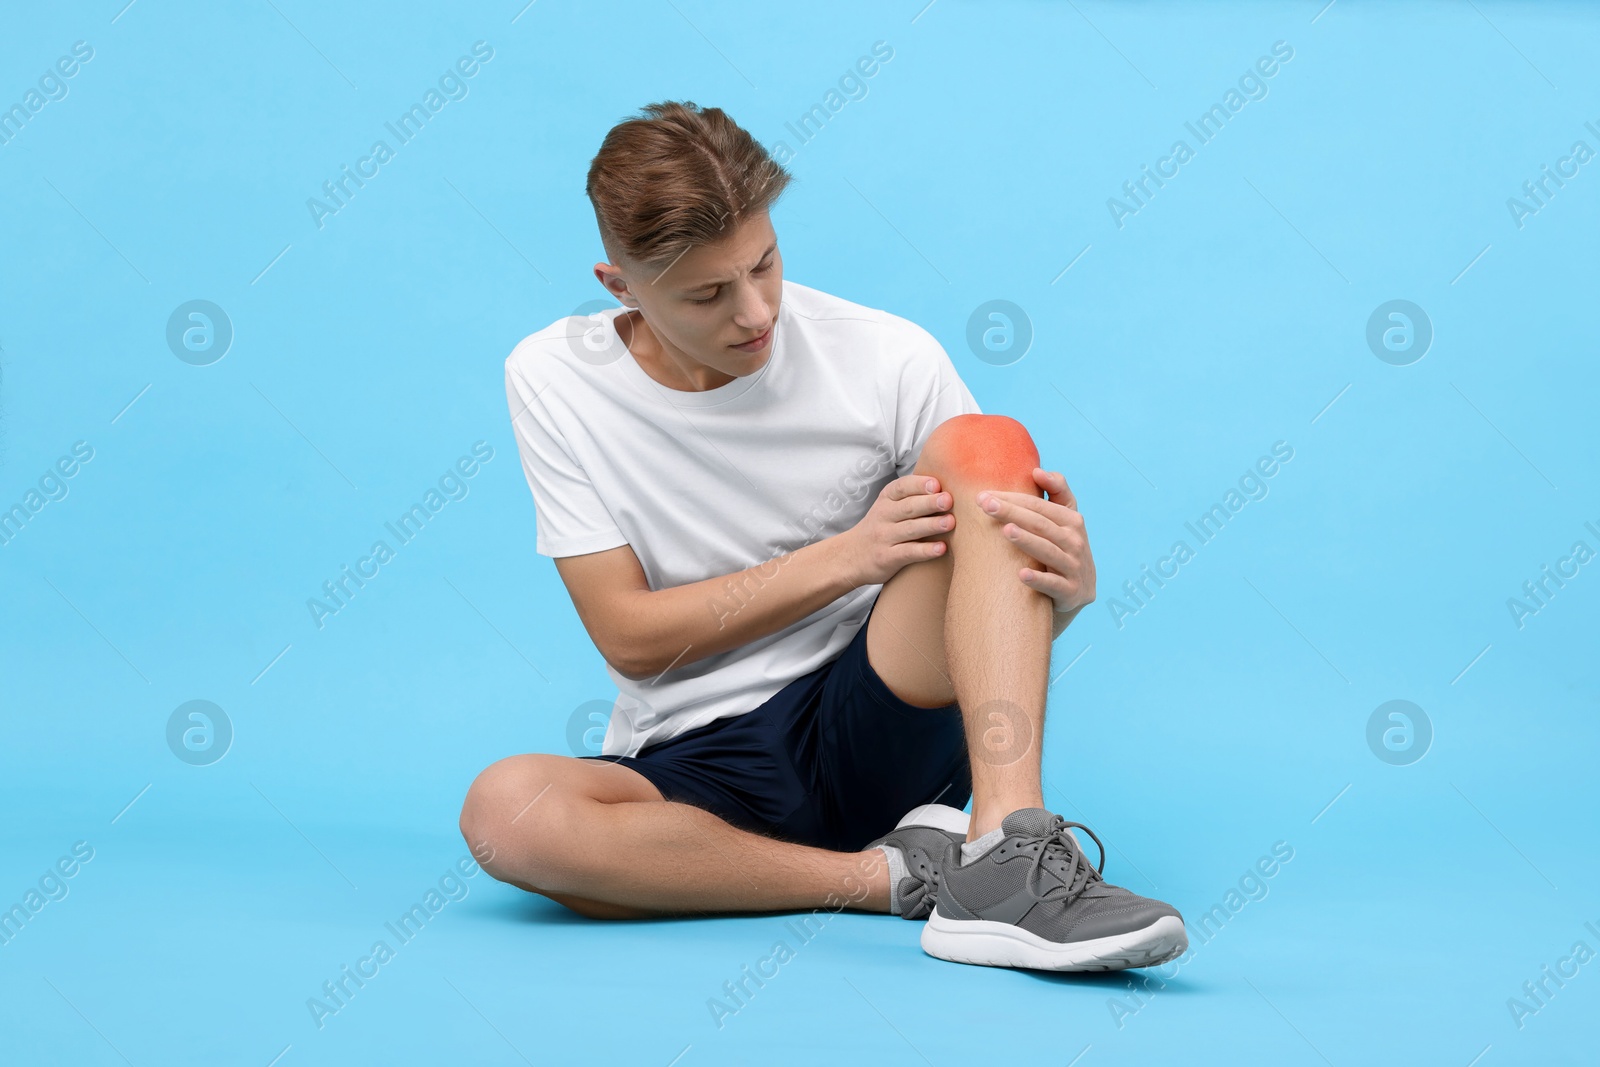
{"x": 1228, "y": 314}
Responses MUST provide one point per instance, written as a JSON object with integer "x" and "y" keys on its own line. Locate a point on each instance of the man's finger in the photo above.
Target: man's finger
{"x": 1053, "y": 512}
{"x": 1055, "y": 483}
{"x": 1034, "y": 524}
{"x": 1043, "y": 550}
{"x": 912, "y": 485}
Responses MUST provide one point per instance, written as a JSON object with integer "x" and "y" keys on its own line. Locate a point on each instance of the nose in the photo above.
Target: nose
{"x": 752, "y": 311}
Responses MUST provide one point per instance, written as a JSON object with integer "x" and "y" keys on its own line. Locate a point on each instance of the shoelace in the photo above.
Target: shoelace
{"x": 925, "y": 873}
{"x": 1059, "y": 843}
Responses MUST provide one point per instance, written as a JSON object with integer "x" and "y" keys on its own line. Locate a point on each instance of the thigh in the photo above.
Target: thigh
{"x": 510, "y": 787}
{"x": 905, "y": 632}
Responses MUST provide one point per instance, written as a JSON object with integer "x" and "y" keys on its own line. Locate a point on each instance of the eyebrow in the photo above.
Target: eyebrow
{"x": 773, "y": 247}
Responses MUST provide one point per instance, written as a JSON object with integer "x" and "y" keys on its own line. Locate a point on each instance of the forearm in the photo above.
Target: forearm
{"x": 677, "y": 626}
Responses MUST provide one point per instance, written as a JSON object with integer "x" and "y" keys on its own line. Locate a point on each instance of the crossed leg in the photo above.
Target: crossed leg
{"x": 600, "y": 839}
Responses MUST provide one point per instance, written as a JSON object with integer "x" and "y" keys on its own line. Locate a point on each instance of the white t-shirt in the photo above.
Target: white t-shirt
{"x": 709, "y": 483}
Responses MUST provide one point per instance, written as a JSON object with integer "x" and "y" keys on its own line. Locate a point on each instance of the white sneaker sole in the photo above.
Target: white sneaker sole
{"x": 940, "y": 816}
{"x": 997, "y": 944}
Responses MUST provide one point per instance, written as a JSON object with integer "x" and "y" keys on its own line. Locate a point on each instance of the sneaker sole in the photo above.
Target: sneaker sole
{"x": 997, "y": 944}
{"x": 939, "y": 816}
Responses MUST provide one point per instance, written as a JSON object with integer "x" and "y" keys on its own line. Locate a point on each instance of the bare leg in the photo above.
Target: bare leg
{"x": 588, "y": 835}
{"x": 963, "y": 626}
{"x": 997, "y": 644}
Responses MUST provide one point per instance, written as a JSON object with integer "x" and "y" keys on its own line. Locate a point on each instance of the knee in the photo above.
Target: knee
{"x": 981, "y": 452}
{"x": 509, "y": 810}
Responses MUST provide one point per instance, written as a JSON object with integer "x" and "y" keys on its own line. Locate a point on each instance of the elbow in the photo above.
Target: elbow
{"x": 630, "y": 645}
{"x": 630, "y": 657}
{"x": 633, "y": 669}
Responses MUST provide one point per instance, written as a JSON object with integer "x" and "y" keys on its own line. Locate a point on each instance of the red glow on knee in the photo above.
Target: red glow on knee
{"x": 986, "y": 451}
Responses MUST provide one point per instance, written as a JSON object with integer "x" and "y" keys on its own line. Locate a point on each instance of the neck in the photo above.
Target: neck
{"x": 664, "y": 364}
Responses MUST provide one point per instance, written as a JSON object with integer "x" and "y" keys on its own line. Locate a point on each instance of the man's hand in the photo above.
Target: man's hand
{"x": 1051, "y": 531}
{"x": 887, "y": 537}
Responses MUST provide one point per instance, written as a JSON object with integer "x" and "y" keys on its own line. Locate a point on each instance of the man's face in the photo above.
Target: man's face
{"x": 713, "y": 298}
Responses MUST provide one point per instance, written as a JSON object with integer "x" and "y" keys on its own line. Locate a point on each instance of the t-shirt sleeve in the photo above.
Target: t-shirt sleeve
{"x": 570, "y": 518}
{"x": 930, "y": 391}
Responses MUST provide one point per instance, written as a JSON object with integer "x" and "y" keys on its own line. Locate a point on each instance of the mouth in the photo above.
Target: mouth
{"x": 755, "y": 344}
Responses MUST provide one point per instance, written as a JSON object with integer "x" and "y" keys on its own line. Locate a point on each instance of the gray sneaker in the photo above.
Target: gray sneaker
{"x": 923, "y": 837}
{"x": 1033, "y": 900}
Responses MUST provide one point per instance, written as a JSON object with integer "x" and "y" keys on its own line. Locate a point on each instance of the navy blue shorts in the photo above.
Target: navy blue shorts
{"x": 832, "y": 760}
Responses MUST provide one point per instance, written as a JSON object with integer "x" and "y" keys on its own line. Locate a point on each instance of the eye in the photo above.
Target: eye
{"x": 706, "y": 300}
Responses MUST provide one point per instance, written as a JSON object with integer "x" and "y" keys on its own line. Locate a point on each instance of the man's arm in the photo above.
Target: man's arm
{"x": 643, "y": 632}
{"x": 673, "y": 627}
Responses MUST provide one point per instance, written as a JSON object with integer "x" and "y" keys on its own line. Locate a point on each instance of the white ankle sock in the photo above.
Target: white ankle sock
{"x": 971, "y": 850}
{"x": 897, "y": 871}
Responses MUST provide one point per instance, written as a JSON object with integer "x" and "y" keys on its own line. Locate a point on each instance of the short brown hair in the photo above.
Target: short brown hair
{"x": 677, "y": 176}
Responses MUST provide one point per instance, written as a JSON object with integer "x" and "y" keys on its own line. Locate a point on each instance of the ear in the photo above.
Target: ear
{"x": 615, "y": 284}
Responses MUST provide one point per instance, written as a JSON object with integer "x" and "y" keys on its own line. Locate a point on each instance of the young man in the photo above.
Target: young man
{"x": 824, "y": 582}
